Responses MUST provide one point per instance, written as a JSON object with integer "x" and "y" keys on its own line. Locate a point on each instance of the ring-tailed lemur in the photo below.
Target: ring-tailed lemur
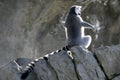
{"x": 75, "y": 35}
{"x": 75, "y": 28}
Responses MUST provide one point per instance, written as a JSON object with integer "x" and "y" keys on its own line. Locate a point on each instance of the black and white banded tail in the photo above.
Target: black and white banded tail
{"x": 30, "y": 67}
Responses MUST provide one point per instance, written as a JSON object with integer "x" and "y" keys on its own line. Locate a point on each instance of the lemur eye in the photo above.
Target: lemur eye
{"x": 77, "y": 8}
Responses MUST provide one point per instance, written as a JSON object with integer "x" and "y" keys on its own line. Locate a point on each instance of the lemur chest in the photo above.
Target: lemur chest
{"x": 79, "y": 17}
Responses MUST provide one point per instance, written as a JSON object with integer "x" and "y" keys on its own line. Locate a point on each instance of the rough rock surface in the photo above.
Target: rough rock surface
{"x": 109, "y": 58}
{"x": 44, "y": 71}
{"x": 116, "y": 78}
{"x": 10, "y": 71}
{"x": 80, "y": 65}
{"x": 86, "y": 65}
{"x": 63, "y": 65}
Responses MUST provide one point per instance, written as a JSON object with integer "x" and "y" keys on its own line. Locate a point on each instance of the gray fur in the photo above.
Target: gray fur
{"x": 75, "y": 28}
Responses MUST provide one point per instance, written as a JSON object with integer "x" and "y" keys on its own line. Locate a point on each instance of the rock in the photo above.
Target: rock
{"x": 44, "y": 71}
{"x": 23, "y": 62}
{"x": 80, "y": 64}
{"x": 10, "y": 72}
{"x": 86, "y": 65}
{"x": 109, "y": 58}
{"x": 116, "y": 78}
{"x": 63, "y": 65}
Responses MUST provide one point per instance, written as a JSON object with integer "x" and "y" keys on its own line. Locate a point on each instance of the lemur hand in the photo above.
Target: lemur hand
{"x": 93, "y": 28}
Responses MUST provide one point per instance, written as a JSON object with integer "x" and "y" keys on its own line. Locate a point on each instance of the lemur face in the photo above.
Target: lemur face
{"x": 78, "y": 10}
{"x": 75, "y": 10}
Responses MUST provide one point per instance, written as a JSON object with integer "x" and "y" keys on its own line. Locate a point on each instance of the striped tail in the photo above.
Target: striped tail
{"x": 30, "y": 67}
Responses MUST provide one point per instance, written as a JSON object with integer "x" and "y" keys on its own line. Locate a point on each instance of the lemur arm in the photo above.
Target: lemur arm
{"x": 87, "y": 25}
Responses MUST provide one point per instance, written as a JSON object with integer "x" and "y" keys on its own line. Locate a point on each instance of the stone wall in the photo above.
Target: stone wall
{"x": 102, "y": 64}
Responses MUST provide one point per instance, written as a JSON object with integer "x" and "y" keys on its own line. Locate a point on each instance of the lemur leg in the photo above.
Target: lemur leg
{"x": 87, "y": 41}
